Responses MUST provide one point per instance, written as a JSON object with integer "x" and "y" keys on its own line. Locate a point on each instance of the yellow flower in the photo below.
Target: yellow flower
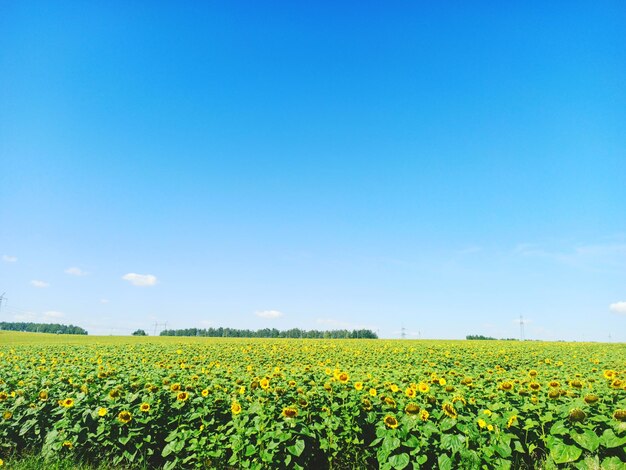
{"x": 442, "y": 381}
{"x": 449, "y": 409}
{"x": 554, "y": 384}
{"x": 424, "y": 415}
{"x": 1, "y": 462}
{"x": 358, "y": 386}
{"x": 391, "y": 422}
{"x": 67, "y": 403}
{"x": 205, "y": 392}
{"x": 175, "y": 387}
{"x": 3, "y": 396}
{"x": 412, "y": 409}
{"x": 506, "y": 386}
{"x": 43, "y": 395}
{"x": 124, "y": 417}
{"x": 144, "y": 407}
{"x": 423, "y": 387}
{"x": 532, "y": 373}
{"x": 394, "y": 388}
{"x": 373, "y": 392}
{"x": 264, "y": 384}
{"x": 68, "y": 444}
{"x": 490, "y": 427}
{"x": 182, "y": 396}
{"x": 102, "y": 412}
{"x": 242, "y": 390}
{"x": 609, "y": 374}
{"x": 289, "y": 412}
{"x": 115, "y": 393}
{"x": 534, "y": 386}
{"x": 409, "y": 392}
{"x": 482, "y": 423}
{"x": 343, "y": 377}
{"x": 512, "y": 420}
{"x": 7, "y": 415}
{"x": 235, "y": 408}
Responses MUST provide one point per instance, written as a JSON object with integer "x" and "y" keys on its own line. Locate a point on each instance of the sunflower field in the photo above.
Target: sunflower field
{"x": 254, "y": 403}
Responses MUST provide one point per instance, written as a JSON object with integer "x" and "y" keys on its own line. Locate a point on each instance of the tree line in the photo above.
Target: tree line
{"x": 481, "y": 337}
{"x": 271, "y": 333}
{"x": 43, "y": 328}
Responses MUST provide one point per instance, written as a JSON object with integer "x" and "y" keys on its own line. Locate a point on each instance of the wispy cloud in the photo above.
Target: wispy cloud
{"x": 600, "y": 255}
{"x": 269, "y": 314}
{"x": 74, "y": 271}
{"x": 39, "y": 284}
{"x": 9, "y": 259}
{"x": 53, "y": 314}
{"x": 618, "y": 307}
{"x": 104, "y": 301}
{"x": 141, "y": 280}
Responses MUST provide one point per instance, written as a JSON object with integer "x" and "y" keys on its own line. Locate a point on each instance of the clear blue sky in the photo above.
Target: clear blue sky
{"x": 438, "y": 166}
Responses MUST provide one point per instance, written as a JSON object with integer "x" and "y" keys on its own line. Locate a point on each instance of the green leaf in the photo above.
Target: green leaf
{"x": 390, "y": 443}
{"x": 297, "y": 448}
{"x": 399, "y": 461}
{"x": 563, "y": 453}
{"x": 445, "y": 463}
{"x": 587, "y": 440}
{"x": 610, "y": 440}
{"x": 559, "y": 429}
{"x": 503, "y": 449}
{"x": 612, "y": 463}
{"x": 453, "y": 442}
{"x": 411, "y": 442}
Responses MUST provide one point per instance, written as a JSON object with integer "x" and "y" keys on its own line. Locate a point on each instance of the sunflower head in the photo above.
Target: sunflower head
{"x": 373, "y": 392}
{"x": 412, "y": 409}
{"x": 102, "y": 412}
{"x": 124, "y": 417}
{"x": 620, "y": 415}
{"x": 144, "y": 407}
{"x": 43, "y": 395}
{"x": 289, "y": 412}
{"x": 358, "y": 386}
{"x": 235, "y": 408}
{"x": 534, "y": 386}
{"x": 410, "y": 392}
{"x": 182, "y": 396}
{"x": 391, "y": 422}
{"x": 424, "y": 415}
{"x": 481, "y": 423}
{"x": 506, "y": 386}
{"x": 264, "y": 383}
{"x": 343, "y": 377}
{"x": 511, "y": 422}
{"x": 591, "y": 399}
{"x": 449, "y": 410}
{"x": 67, "y": 403}
{"x": 577, "y": 415}
{"x": 554, "y": 393}
{"x": 367, "y": 404}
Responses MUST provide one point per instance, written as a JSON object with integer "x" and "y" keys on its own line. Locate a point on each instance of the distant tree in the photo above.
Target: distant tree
{"x": 139, "y": 333}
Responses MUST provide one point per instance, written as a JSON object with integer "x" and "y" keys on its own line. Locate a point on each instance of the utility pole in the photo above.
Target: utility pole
{"x": 403, "y": 332}
{"x": 1, "y": 299}
{"x": 521, "y": 328}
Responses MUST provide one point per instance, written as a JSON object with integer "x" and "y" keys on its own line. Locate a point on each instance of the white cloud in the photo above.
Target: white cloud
{"x": 142, "y": 280}
{"x": 39, "y": 284}
{"x": 104, "y": 301}
{"x": 268, "y": 314}
{"x": 53, "y": 314}
{"x": 9, "y": 259}
{"x": 74, "y": 271}
{"x": 618, "y": 307}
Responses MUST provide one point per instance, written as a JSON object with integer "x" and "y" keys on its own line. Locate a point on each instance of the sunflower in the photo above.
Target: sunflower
{"x": 442, "y": 381}
{"x": 264, "y": 383}
{"x": 373, "y": 392}
{"x": 124, "y": 417}
{"x": 506, "y": 386}
{"x": 7, "y": 415}
{"x": 367, "y": 404}
{"x": 412, "y": 409}
{"x": 591, "y": 399}
{"x": 43, "y": 395}
{"x": 289, "y": 412}
{"x": 3, "y": 396}
{"x": 68, "y": 445}
{"x": 554, "y": 393}
{"x": 102, "y": 412}
{"x": 115, "y": 393}
{"x": 205, "y": 392}
{"x": 182, "y": 396}
{"x": 394, "y": 388}
{"x": 554, "y": 384}
{"x": 424, "y": 415}
{"x": 423, "y": 387}
{"x": 175, "y": 387}
{"x": 343, "y": 377}
{"x": 616, "y": 383}
{"x": 512, "y": 420}
{"x": 409, "y": 392}
{"x": 534, "y": 386}
{"x": 358, "y": 386}
{"x": 490, "y": 427}
{"x": 532, "y": 373}
{"x": 487, "y": 412}
{"x": 391, "y": 422}
{"x": 482, "y": 423}
{"x": 390, "y": 402}
{"x": 576, "y": 383}
{"x": 577, "y": 415}
{"x": 620, "y": 415}
{"x": 67, "y": 403}
{"x": 144, "y": 407}
{"x": 235, "y": 408}
{"x": 449, "y": 410}
{"x": 609, "y": 374}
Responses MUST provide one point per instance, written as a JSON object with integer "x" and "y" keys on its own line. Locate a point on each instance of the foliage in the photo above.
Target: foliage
{"x": 42, "y": 328}
{"x": 281, "y": 403}
{"x": 271, "y": 333}
{"x": 139, "y": 333}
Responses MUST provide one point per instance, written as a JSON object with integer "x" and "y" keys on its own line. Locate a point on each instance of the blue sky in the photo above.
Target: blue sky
{"x": 444, "y": 168}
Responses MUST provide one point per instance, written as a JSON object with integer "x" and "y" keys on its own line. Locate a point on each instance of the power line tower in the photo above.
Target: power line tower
{"x": 403, "y": 332}
{"x": 2, "y": 298}
{"x": 521, "y": 328}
